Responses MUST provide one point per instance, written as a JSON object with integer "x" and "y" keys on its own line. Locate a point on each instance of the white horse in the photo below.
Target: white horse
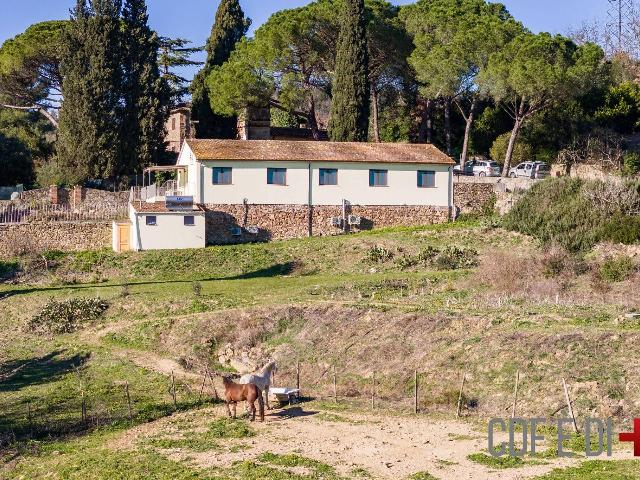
{"x": 261, "y": 379}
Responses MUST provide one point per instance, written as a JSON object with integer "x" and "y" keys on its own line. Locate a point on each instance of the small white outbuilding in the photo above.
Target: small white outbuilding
{"x": 174, "y": 223}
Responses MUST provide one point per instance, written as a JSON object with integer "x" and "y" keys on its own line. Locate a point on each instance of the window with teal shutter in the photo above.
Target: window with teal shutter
{"x": 378, "y": 178}
{"x": 277, "y": 176}
{"x": 222, "y": 175}
{"x": 328, "y": 176}
{"x": 426, "y": 179}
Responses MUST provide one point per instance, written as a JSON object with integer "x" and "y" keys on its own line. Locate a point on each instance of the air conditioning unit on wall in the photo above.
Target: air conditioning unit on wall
{"x": 354, "y": 220}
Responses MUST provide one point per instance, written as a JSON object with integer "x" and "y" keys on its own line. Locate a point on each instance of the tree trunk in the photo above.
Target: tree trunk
{"x": 447, "y": 124}
{"x": 375, "y": 113}
{"x": 425, "y": 131}
{"x": 512, "y": 144}
{"x": 467, "y": 132}
{"x": 312, "y": 121}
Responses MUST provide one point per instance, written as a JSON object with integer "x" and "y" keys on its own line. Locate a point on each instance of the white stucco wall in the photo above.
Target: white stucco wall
{"x": 249, "y": 180}
{"x": 186, "y": 157}
{"x": 169, "y": 233}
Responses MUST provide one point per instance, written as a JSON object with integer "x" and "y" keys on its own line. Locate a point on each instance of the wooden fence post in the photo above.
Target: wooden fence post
{"x": 415, "y": 392}
{"x": 29, "y": 418}
{"x": 83, "y": 409}
{"x": 373, "y": 390}
{"x": 173, "y": 390}
{"x": 335, "y": 385}
{"x": 204, "y": 380}
{"x": 126, "y": 390}
{"x": 515, "y": 395}
{"x": 298, "y": 374}
{"x": 464, "y": 374}
{"x": 568, "y": 399}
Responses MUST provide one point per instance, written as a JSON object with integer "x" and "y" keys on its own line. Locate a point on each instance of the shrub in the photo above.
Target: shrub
{"x": 67, "y": 316}
{"x": 427, "y": 255}
{"x": 631, "y": 163}
{"x": 617, "y": 269}
{"x": 454, "y": 258}
{"x": 406, "y": 261}
{"x": 621, "y": 229}
{"x": 197, "y": 288}
{"x": 575, "y": 214}
{"x": 379, "y": 254}
{"x": 8, "y": 269}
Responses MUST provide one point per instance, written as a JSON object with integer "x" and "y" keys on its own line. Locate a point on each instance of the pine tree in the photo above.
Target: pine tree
{"x": 229, "y": 27}
{"x": 89, "y": 134}
{"x": 350, "y": 104}
{"x": 146, "y": 93}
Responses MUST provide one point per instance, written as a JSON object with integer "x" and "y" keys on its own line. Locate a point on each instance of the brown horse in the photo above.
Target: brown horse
{"x": 234, "y": 393}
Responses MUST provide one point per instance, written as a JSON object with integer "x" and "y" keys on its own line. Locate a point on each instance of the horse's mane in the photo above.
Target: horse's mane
{"x": 267, "y": 367}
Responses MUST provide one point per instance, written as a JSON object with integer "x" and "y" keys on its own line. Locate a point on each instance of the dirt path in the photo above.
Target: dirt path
{"x": 388, "y": 447}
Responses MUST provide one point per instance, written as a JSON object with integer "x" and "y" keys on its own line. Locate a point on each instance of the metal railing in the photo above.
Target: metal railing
{"x": 154, "y": 191}
{"x": 13, "y": 214}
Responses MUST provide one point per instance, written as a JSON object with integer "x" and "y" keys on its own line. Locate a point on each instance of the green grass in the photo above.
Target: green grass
{"x": 597, "y": 470}
{"x": 153, "y": 303}
{"x": 103, "y": 464}
{"x": 496, "y": 462}
{"x": 202, "y": 441}
{"x": 421, "y": 476}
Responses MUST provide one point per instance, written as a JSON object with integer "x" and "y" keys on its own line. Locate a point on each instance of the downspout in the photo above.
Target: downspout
{"x": 310, "y": 200}
{"x": 452, "y": 207}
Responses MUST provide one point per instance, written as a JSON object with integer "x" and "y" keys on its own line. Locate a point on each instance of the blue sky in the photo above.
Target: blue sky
{"x": 192, "y": 19}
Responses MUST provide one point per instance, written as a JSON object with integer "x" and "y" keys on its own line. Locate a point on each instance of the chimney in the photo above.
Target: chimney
{"x": 254, "y": 124}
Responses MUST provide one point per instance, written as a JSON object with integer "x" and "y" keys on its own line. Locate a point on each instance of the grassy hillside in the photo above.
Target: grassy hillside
{"x": 442, "y": 300}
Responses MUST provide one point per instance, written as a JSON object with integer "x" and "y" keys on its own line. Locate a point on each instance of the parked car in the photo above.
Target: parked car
{"x": 530, "y": 170}
{"x": 480, "y": 168}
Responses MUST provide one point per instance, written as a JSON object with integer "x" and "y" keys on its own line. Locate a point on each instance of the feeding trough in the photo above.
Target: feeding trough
{"x": 285, "y": 395}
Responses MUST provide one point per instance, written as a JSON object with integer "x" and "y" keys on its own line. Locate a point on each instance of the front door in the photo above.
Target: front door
{"x": 124, "y": 234}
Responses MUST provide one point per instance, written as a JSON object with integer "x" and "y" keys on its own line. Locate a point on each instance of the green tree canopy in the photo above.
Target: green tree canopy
{"x": 290, "y": 61}
{"x": 30, "y": 76}
{"x": 228, "y": 29}
{"x": 350, "y": 106}
{"x": 146, "y": 94}
{"x": 176, "y": 53}
{"x": 453, "y": 41}
{"x": 621, "y": 108}
{"x": 534, "y": 72}
{"x": 16, "y": 163}
{"x": 90, "y": 133}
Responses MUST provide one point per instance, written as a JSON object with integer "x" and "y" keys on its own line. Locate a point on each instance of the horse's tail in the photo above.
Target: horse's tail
{"x": 260, "y": 404}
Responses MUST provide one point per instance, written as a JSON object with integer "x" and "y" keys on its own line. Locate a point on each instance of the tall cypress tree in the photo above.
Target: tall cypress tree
{"x": 146, "y": 93}
{"x": 229, "y": 27}
{"x": 350, "y": 104}
{"x": 89, "y": 134}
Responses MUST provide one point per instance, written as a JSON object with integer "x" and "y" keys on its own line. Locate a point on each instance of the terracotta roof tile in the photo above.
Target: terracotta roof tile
{"x": 281, "y": 150}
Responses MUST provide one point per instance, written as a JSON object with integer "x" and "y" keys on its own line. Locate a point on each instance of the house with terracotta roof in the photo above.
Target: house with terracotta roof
{"x": 231, "y": 191}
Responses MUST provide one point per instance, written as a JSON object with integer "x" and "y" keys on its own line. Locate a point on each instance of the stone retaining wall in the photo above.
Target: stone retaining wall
{"x": 472, "y": 197}
{"x": 75, "y": 197}
{"x": 64, "y": 236}
{"x": 293, "y": 221}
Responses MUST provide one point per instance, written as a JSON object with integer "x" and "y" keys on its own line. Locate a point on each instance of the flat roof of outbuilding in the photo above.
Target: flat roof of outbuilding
{"x": 161, "y": 207}
{"x": 317, "y": 151}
